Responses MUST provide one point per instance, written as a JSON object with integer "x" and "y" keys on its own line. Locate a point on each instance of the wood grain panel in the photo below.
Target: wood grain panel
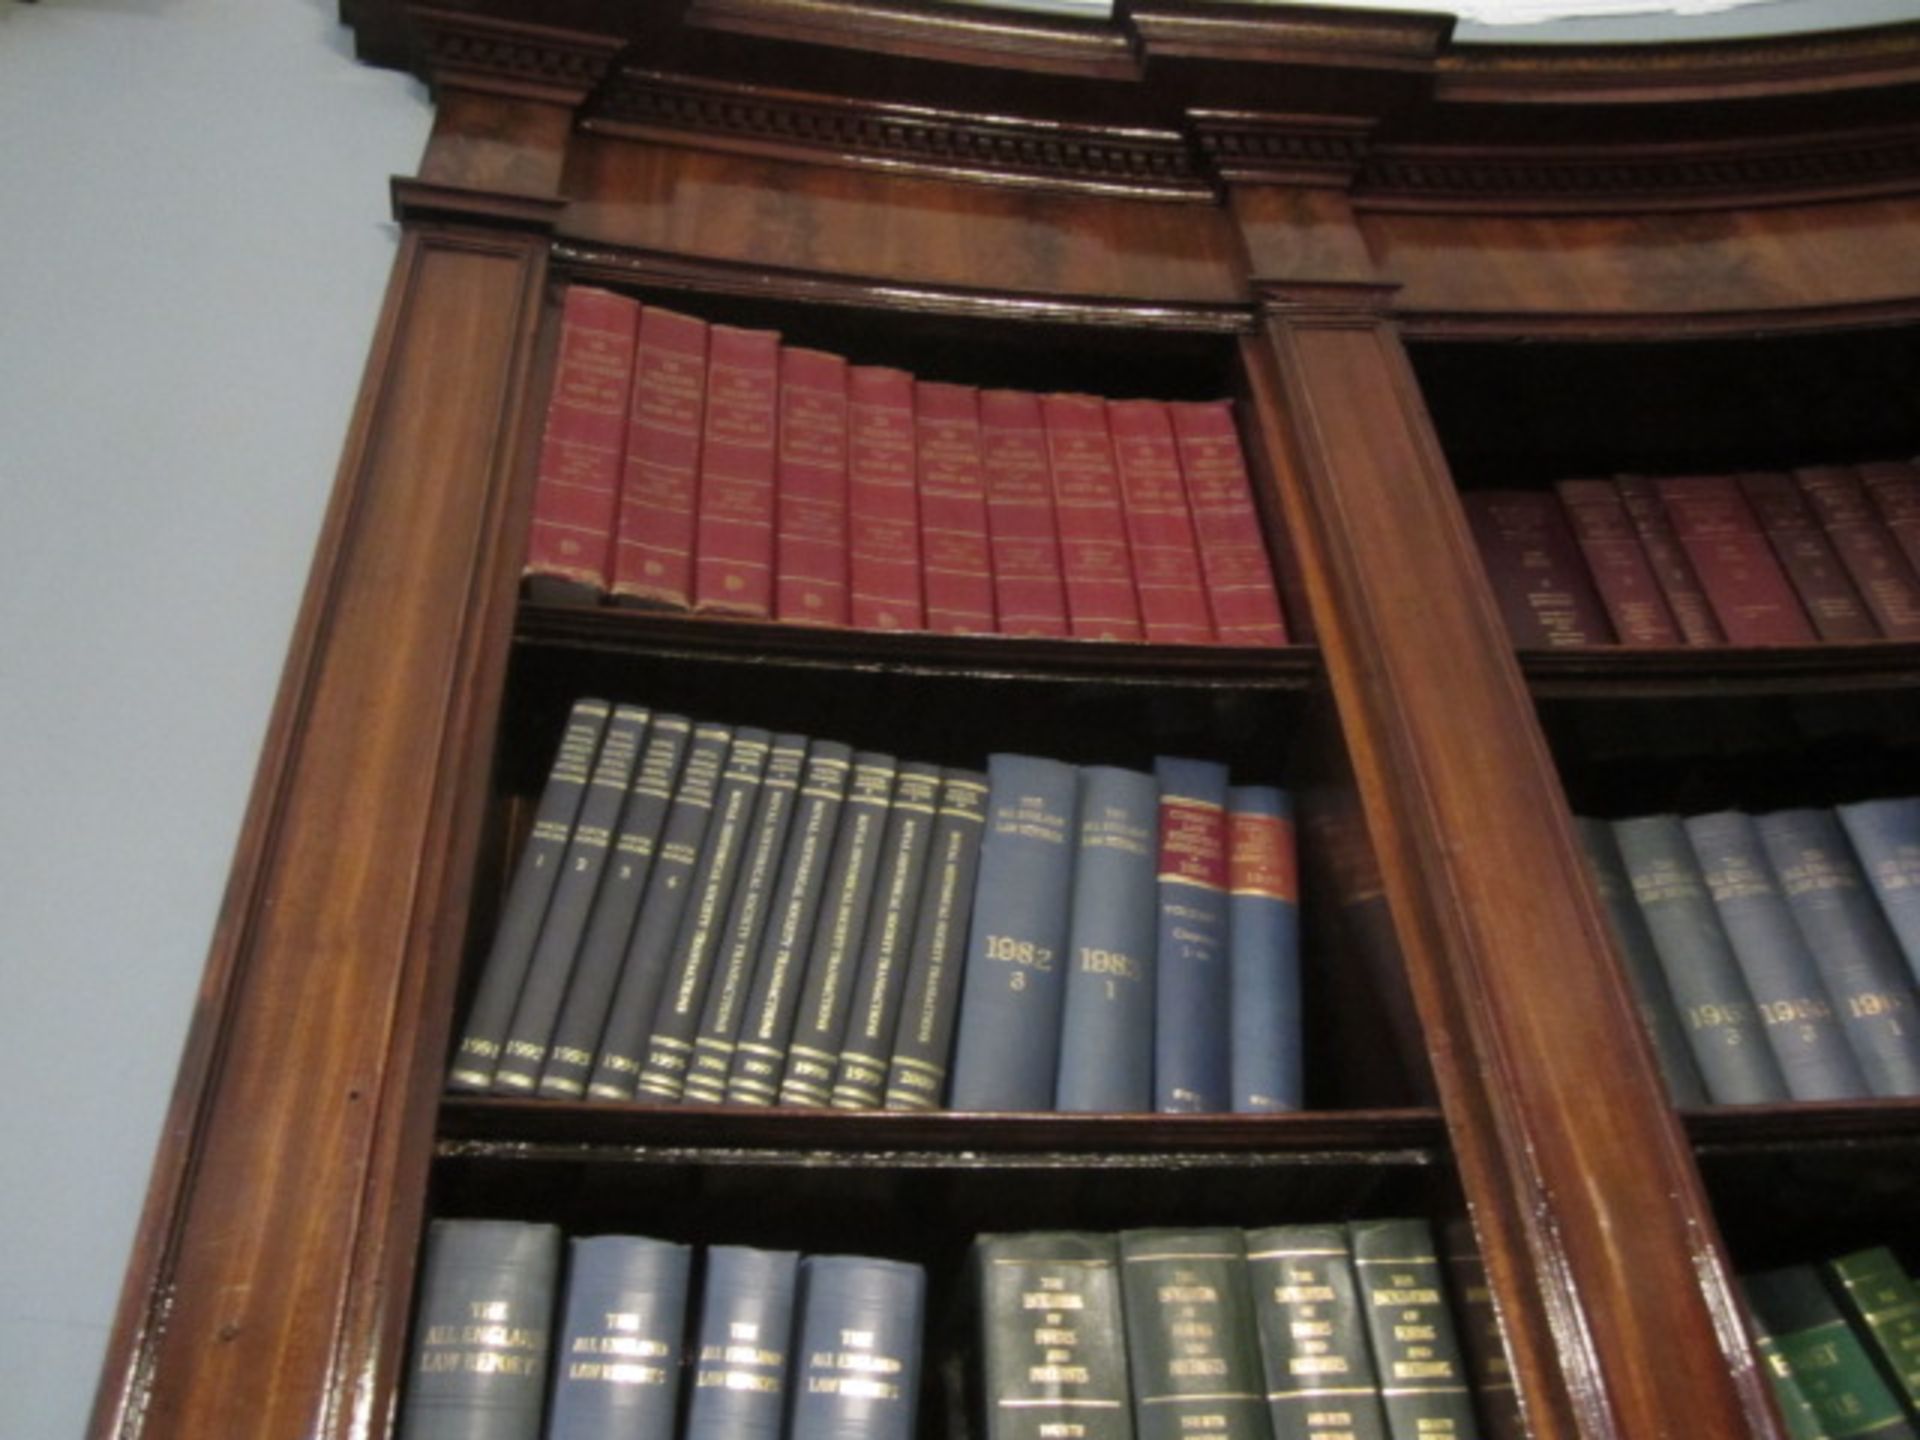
{"x": 489, "y": 142}
{"x": 1300, "y": 233}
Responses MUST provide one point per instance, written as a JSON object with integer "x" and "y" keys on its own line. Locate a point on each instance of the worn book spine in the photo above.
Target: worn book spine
{"x": 1894, "y": 488}
{"x": 621, "y": 1339}
{"x": 1030, "y": 595}
{"x": 1807, "y": 555}
{"x": 534, "y": 874}
{"x": 1750, "y": 594}
{"x": 857, "y": 1362}
{"x": 1885, "y": 834}
{"x": 743, "y": 1350}
{"x": 1795, "y": 1408}
{"x": 761, "y": 1053}
{"x": 1263, "y": 952}
{"x": 1622, "y": 573}
{"x": 576, "y": 1031}
{"x": 576, "y": 490}
{"x": 482, "y": 1337}
{"x": 883, "y": 512}
{"x": 1106, "y": 1018}
{"x": 623, "y": 1038}
{"x": 733, "y": 539}
{"x": 1007, "y": 1042}
{"x": 1320, "y": 1379}
{"x": 660, "y": 482}
{"x": 1192, "y": 1340}
{"x": 954, "y": 552}
{"x": 1226, "y": 525}
{"x": 1102, "y": 603}
{"x": 1823, "y": 1356}
{"x": 1887, "y": 582}
{"x": 810, "y": 503}
{"x": 1166, "y": 556}
{"x": 1416, "y": 1349}
{"x": 747, "y": 911}
{"x": 574, "y": 892}
{"x": 1674, "y": 572}
{"x": 1882, "y": 1303}
{"x": 1192, "y": 980}
{"x": 833, "y": 953}
{"x": 1535, "y": 567}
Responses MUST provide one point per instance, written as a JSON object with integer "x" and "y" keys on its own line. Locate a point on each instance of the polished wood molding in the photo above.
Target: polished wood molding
{"x": 420, "y": 201}
{"x": 1309, "y": 150}
{"x": 538, "y": 62}
{"x": 1290, "y": 36}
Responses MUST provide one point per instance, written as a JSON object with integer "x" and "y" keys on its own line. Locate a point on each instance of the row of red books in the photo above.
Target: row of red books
{"x": 712, "y": 468}
{"x": 1821, "y": 553}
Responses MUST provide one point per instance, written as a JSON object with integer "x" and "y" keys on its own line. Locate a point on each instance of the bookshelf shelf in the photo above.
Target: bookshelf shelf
{"x": 1614, "y": 673}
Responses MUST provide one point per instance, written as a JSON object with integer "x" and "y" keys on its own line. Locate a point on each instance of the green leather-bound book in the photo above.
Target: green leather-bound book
{"x": 1191, "y": 1342}
{"x": 1321, "y": 1383}
{"x": 1052, "y": 1341}
{"x": 1423, "y": 1380}
{"x": 1883, "y": 1302}
{"x": 1824, "y": 1356}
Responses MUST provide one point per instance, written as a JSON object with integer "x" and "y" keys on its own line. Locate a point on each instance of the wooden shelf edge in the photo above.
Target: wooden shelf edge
{"x": 1805, "y": 1125}
{"x": 1621, "y": 672}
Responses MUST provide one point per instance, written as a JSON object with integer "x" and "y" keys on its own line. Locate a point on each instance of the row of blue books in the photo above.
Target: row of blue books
{"x": 710, "y": 913}
{"x": 1775, "y": 956}
{"x": 816, "y": 1347}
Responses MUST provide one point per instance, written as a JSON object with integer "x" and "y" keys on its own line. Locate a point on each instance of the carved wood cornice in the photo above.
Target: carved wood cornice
{"x": 533, "y": 62}
{"x": 1282, "y": 149}
{"x": 420, "y": 200}
{"x": 1290, "y": 35}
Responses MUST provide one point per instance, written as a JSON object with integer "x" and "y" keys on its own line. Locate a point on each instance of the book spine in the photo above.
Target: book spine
{"x": 953, "y": 509}
{"x": 518, "y": 929}
{"x": 1886, "y": 839}
{"x": 1052, "y": 1344}
{"x": 1166, "y": 556}
{"x": 761, "y": 1054}
{"x": 676, "y": 1018}
{"x": 878, "y": 979}
{"x": 1622, "y": 573}
{"x": 1674, "y": 572}
{"x": 574, "y": 891}
{"x": 1191, "y": 1071}
{"x": 1007, "y": 1040}
{"x": 1866, "y": 547}
{"x": 660, "y": 483}
{"x": 721, "y": 1016}
{"x": 810, "y": 568}
{"x": 1192, "y": 1344}
{"x": 1795, "y": 1408}
{"x": 1320, "y": 1379}
{"x": 733, "y": 542}
{"x": 930, "y": 998}
{"x": 481, "y": 1382}
{"x": 1795, "y": 1014}
{"x": 1894, "y": 488}
{"x": 583, "y": 1014}
{"x": 1823, "y": 1355}
{"x": 858, "y": 1374}
{"x": 1807, "y": 555}
{"x": 1106, "y": 1016}
{"x": 1102, "y": 603}
{"x": 744, "y": 1349}
{"x": 1882, "y": 1303}
{"x": 621, "y": 1339}
{"x": 1535, "y": 568}
{"x": 1263, "y": 951}
{"x": 1750, "y": 594}
{"x": 1030, "y": 596}
{"x": 1233, "y": 557}
{"x": 883, "y": 513}
{"x": 616, "y": 1066}
{"x": 1708, "y": 989}
{"x": 577, "y": 487}
{"x": 1416, "y": 1349}
{"x": 1859, "y": 959}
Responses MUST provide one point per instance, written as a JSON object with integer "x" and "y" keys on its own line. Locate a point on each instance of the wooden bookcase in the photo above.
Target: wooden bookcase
{"x": 1418, "y": 265}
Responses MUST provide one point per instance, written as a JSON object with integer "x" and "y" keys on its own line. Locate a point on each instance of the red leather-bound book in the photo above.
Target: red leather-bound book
{"x": 883, "y": 516}
{"x": 1867, "y": 548}
{"x": 1101, "y": 603}
{"x": 810, "y": 565}
{"x": 1233, "y": 555}
{"x": 1030, "y": 597}
{"x": 733, "y": 543}
{"x": 1807, "y": 555}
{"x": 570, "y": 544}
{"x": 1686, "y": 597}
{"x": 1750, "y": 594}
{"x": 1894, "y": 488}
{"x": 1621, "y": 571}
{"x": 1166, "y": 558}
{"x": 653, "y": 554}
{"x": 1547, "y": 597}
{"x": 954, "y": 556}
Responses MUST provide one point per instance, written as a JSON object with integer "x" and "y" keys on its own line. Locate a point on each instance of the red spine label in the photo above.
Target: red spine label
{"x": 1030, "y": 596}
{"x": 1867, "y": 548}
{"x": 1193, "y": 842}
{"x": 1261, "y": 859}
{"x": 1671, "y": 567}
{"x": 578, "y": 486}
{"x": 653, "y": 559}
{"x": 733, "y": 553}
{"x": 1101, "y": 604}
{"x": 883, "y": 518}
{"x": 811, "y": 564}
{"x": 1808, "y": 557}
{"x": 1166, "y": 559}
{"x": 1621, "y": 571}
{"x": 1233, "y": 557}
{"x": 1745, "y": 584}
{"x": 953, "y": 510}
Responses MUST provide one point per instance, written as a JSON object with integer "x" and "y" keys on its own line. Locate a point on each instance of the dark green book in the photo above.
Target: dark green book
{"x": 1423, "y": 1378}
{"x": 1824, "y": 1357}
{"x": 1795, "y": 1408}
{"x": 1321, "y": 1383}
{"x": 1053, "y": 1356}
{"x": 1883, "y": 1302}
{"x": 1192, "y": 1350}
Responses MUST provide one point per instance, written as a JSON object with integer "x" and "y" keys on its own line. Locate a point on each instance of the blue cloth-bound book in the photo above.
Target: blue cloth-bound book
{"x": 857, "y": 1370}
{"x": 743, "y": 1355}
{"x": 1193, "y": 984}
{"x": 1263, "y": 887}
{"x": 1886, "y": 838}
{"x": 1007, "y": 1044}
{"x": 621, "y": 1338}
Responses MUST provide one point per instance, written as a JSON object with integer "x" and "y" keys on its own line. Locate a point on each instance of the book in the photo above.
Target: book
{"x": 1241, "y": 594}
{"x": 1750, "y": 594}
{"x": 1320, "y": 1380}
{"x": 1534, "y": 565}
{"x": 1882, "y": 1304}
{"x": 1030, "y": 596}
{"x": 477, "y": 1369}
{"x": 1160, "y": 535}
{"x": 1192, "y": 1348}
{"x": 1893, "y": 486}
{"x": 1622, "y": 573}
{"x": 525, "y": 908}
{"x": 1106, "y": 1017}
{"x": 1795, "y": 1408}
{"x": 576, "y": 489}
{"x": 1192, "y": 980}
{"x": 1672, "y": 570}
{"x": 1824, "y": 1358}
{"x": 1007, "y": 1040}
{"x": 743, "y": 1348}
{"x": 524, "y": 1052}
{"x": 1263, "y": 952}
{"x": 1885, "y": 835}
{"x": 733, "y": 531}
{"x": 1807, "y": 555}
{"x": 1888, "y": 585}
{"x": 1094, "y": 559}
{"x": 1053, "y": 1357}
{"x": 1416, "y": 1350}
{"x": 883, "y": 512}
{"x": 956, "y": 565}
{"x": 810, "y": 499}
{"x": 857, "y": 1372}
{"x": 660, "y": 482}
{"x": 622, "y": 1337}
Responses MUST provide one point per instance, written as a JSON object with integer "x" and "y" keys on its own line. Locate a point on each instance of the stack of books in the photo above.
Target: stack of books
{"x": 710, "y": 468}
{"x": 713, "y": 913}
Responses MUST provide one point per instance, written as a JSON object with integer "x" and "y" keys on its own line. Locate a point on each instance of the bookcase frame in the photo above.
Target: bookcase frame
{"x": 1323, "y": 187}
